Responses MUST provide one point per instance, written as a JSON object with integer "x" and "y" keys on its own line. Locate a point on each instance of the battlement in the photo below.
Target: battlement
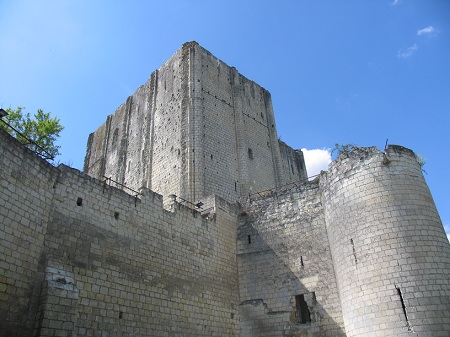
{"x": 124, "y": 255}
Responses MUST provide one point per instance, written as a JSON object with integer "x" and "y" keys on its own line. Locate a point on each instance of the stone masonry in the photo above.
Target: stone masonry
{"x": 390, "y": 253}
{"x": 359, "y": 251}
{"x": 196, "y": 128}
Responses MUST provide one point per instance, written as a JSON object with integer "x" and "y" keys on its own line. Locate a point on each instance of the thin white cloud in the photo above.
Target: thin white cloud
{"x": 408, "y": 52}
{"x": 395, "y": 2}
{"x": 447, "y": 230}
{"x": 316, "y": 160}
{"x": 426, "y": 31}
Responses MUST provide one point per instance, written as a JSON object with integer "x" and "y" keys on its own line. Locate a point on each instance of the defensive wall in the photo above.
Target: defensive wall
{"x": 282, "y": 240}
{"x": 360, "y": 251}
{"x": 197, "y": 127}
{"x": 390, "y": 252}
{"x": 80, "y": 258}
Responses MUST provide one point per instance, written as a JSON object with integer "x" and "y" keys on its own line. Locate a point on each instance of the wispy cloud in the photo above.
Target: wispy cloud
{"x": 408, "y": 52}
{"x": 316, "y": 160}
{"x": 447, "y": 230}
{"x": 426, "y": 31}
{"x": 395, "y": 2}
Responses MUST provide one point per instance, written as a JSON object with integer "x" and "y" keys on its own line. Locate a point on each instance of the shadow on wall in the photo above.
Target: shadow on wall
{"x": 286, "y": 276}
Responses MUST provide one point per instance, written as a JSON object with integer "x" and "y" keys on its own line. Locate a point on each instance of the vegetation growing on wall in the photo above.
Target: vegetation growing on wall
{"x": 342, "y": 148}
{"x": 39, "y": 133}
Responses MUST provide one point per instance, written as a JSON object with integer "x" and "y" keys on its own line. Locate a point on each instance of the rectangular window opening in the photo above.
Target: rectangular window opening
{"x": 249, "y": 238}
{"x": 302, "y": 311}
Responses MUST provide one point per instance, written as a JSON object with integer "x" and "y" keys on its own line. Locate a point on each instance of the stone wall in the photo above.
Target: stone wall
{"x": 140, "y": 145}
{"x": 83, "y": 258}
{"x": 390, "y": 252}
{"x": 196, "y": 128}
{"x": 359, "y": 252}
{"x": 25, "y": 206}
{"x": 283, "y": 256}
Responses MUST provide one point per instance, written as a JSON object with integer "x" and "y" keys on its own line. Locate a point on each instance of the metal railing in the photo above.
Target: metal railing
{"x": 108, "y": 181}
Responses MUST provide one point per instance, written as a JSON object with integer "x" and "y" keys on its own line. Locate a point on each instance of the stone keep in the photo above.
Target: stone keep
{"x": 196, "y": 128}
{"x": 360, "y": 251}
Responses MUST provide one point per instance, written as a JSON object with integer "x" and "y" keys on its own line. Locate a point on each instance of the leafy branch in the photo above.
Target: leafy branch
{"x": 41, "y": 129}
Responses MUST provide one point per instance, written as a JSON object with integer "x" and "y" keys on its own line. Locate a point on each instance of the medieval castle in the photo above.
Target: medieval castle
{"x": 193, "y": 219}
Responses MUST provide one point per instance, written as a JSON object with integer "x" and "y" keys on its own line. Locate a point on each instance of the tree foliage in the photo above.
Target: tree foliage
{"x": 42, "y": 129}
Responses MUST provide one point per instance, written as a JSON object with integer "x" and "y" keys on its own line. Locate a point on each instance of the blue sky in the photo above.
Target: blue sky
{"x": 359, "y": 71}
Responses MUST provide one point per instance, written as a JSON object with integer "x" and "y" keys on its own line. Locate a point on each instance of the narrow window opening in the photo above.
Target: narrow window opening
{"x": 301, "y": 261}
{"x": 116, "y": 215}
{"x": 235, "y": 186}
{"x": 302, "y": 310}
{"x": 399, "y": 292}
{"x": 249, "y": 238}
{"x": 354, "y": 251}
{"x": 120, "y": 314}
{"x": 250, "y": 153}
{"x": 79, "y": 201}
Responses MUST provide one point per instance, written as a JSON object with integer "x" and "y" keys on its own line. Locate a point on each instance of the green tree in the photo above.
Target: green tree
{"x": 41, "y": 129}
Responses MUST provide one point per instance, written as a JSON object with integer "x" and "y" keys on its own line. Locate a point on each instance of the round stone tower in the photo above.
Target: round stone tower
{"x": 389, "y": 248}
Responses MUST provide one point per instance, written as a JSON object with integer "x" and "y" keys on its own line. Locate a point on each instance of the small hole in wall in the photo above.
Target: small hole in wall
{"x": 249, "y": 238}
{"x": 301, "y": 261}
{"x": 116, "y": 215}
{"x": 79, "y": 201}
{"x": 120, "y": 314}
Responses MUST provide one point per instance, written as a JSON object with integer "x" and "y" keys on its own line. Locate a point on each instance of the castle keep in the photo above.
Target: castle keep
{"x": 192, "y": 219}
{"x": 196, "y": 128}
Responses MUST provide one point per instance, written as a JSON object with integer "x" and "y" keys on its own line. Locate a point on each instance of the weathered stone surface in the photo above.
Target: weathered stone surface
{"x": 196, "y": 128}
{"x": 283, "y": 251}
{"x": 388, "y": 245}
{"x": 109, "y": 265}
